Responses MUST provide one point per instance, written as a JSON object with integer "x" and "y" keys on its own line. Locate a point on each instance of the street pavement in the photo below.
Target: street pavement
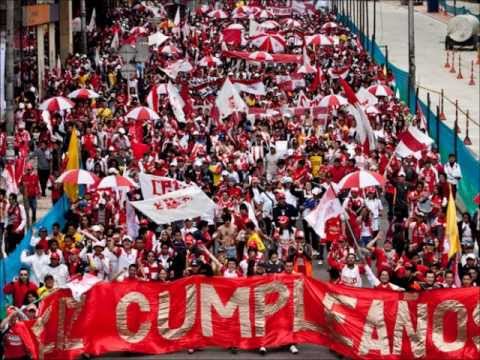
{"x": 430, "y": 56}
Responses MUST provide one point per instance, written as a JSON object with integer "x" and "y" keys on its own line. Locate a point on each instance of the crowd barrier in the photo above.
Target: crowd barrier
{"x": 10, "y": 265}
{"x": 463, "y": 10}
{"x": 437, "y": 129}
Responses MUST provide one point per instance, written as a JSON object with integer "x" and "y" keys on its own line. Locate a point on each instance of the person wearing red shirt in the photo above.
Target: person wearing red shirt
{"x": 337, "y": 171}
{"x": 19, "y": 288}
{"x": 13, "y": 346}
{"x": 31, "y": 189}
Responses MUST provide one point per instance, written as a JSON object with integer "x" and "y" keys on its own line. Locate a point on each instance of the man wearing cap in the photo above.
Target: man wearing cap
{"x": 97, "y": 262}
{"x": 57, "y": 270}
{"x": 283, "y": 208}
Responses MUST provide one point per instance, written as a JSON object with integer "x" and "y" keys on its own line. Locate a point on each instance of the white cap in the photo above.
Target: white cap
{"x": 286, "y": 180}
{"x": 316, "y": 191}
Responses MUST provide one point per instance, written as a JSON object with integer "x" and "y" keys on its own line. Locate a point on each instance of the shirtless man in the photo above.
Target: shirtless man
{"x": 226, "y": 235}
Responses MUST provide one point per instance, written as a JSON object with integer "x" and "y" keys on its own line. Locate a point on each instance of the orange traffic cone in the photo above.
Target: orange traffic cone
{"x": 447, "y": 63}
{"x": 459, "y": 76}
{"x": 472, "y": 80}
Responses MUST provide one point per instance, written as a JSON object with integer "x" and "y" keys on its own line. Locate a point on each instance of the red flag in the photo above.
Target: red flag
{"x": 317, "y": 80}
{"x": 188, "y": 108}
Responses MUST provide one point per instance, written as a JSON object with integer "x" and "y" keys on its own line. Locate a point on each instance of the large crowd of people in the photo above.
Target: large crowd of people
{"x": 391, "y": 237}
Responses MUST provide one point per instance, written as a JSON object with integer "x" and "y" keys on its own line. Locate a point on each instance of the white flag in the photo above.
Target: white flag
{"x": 115, "y": 41}
{"x": 176, "y": 21}
{"x": 132, "y": 221}
{"x": 91, "y": 25}
{"x": 229, "y": 100}
{"x": 176, "y": 102}
{"x": 178, "y": 205}
{"x": 328, "y": 207}
{"x": 152, "y": 185}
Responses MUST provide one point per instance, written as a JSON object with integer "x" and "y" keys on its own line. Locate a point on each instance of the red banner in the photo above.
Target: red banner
{"x": 270, "y": 311}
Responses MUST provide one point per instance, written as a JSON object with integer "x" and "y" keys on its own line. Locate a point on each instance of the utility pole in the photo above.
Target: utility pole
{"x": 374, "y": 30}
{"x": 83, "y": 26}
{"x": 411, "y": 51}
{"x": 9, "y": 78}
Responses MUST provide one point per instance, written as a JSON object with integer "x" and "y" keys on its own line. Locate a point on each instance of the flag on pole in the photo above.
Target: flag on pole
{"x": 328, "y": 207}
{"x": 176, "y": 21}
{"x": 452, "y": 229}
{"x": 229, "y": 100}
{"x": 176, "y": 102}
{"x": 115, "y": 41}
{"x": 73, "y": 162}
{"x": 412, "y": 142}
{"x": 364, "y": 128}
{"x": 91, "y": 25}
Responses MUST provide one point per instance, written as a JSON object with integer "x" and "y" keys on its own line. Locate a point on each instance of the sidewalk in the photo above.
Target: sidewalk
{"x": 430, "y": 56}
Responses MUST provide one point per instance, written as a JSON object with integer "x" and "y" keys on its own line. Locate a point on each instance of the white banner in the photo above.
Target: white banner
{"x": 153, "y": 186}
{"x": 178, "y": 205}
{"x": 255, "y": 88}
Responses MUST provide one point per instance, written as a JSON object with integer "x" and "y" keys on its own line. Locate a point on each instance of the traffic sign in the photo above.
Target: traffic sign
{"x": 127, "y": 53}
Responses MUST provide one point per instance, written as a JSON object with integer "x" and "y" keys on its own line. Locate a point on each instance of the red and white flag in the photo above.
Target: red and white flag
{"x": 255, "y": 87}
{"x": 229, "y": 100}
{"x": 290, "y": 82}
{"x": 364, "y": 128}
{"x": 303, "y": 100}
{"x": 176, "y": 102}
{"x": 328, "y": 207}
{"x": 152, "y": 185}
{"x": 152, "y": 97}
{"x": 412, "y": 142}
{"x": 421, "y": 119}
{"x": 81, "y": 285}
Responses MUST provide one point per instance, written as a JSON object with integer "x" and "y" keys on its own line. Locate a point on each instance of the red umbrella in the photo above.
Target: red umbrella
{"x": 319, "y": 40}
{"x": 269, "y": 42}
{"x": 361, "y": 179}
{"x": 264, "y": 14}
{"x": 83, "y": 94}
{"x": 260, "y": 56}
{"x": 116, "y": 182}
{"x": 333, "y": 101}
{"x": 291, "y": 23}
{"x": 170, "y": 50}
{"x": 78, "y": 177}
{"x": 269, "y": 25}
{"x": 380, "y": 90}
{"x": 143, "y": 113}
{"x": 56, "y": 103}
{"x": 218, "y": 14}
{"x": 329, "y": 26}
{"x": 210, "y": 61}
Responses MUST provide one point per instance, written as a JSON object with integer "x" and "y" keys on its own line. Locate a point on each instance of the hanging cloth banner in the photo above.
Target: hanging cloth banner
{"x": 271, "y": 311}
{"x": 177, "y": 205}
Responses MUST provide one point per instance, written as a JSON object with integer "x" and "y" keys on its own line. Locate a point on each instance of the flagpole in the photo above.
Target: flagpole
{"x": 347, "y": 217}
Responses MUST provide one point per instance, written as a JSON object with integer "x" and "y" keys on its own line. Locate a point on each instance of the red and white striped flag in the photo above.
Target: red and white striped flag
{"x": 412, "y": 142}
{"x": 152, "y": 97}
{"x": 290, "y": 82}
{"x": 364, "y": 128}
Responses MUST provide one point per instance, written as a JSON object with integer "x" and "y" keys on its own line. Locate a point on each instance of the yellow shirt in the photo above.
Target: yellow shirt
{"x": 316, "y": 161}
{"x": 217, "y": 176}
{"x": 254, "y": 238}
{"x": 82, "y": 79}
{"x": 112, "y": 79}
{"x": 44, "y": 291}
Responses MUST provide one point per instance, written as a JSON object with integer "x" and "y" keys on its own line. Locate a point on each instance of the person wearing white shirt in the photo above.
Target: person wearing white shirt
{"x": 454, "y": 173}
{"x": 126, "y": 255}
{"x": 37, "y": 262}
{"x": 57, "y": 270}
{"x": 374, "y": 204}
